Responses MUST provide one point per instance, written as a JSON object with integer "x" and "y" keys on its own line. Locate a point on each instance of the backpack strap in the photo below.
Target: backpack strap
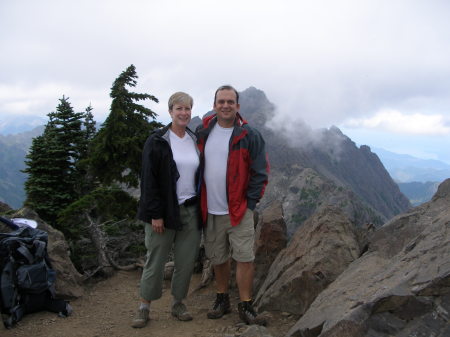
{"x": 8, "y": 290}
{"x": 40, "y": 249}
{"x": 26, "y": 253}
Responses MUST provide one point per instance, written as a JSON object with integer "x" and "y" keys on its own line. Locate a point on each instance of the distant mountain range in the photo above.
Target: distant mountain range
{"x": 13, "y": 149}
{"x": 418, "y": 192}
{"x": 404, "y": 168}
{"x": 14, "y": 124}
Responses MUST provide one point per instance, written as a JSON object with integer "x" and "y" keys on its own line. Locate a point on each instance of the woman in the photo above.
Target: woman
{"x": 168, "y": 206}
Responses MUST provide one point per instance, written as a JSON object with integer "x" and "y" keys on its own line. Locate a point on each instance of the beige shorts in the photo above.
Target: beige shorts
{"x": 222, "y": 240}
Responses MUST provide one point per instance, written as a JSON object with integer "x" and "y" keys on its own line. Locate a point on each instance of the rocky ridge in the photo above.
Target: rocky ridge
{"x": 344, "y": 281}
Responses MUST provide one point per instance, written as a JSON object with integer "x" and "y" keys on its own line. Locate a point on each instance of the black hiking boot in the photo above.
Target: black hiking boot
{"x": 221, "y": 306}
{"x": 248, "y": 315}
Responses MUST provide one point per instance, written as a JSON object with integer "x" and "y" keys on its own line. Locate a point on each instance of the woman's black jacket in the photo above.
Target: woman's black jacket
{"x": 159, "y": 177}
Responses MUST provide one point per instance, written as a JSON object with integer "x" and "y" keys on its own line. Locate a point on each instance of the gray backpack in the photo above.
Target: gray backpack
{"x": 27, "y": 280}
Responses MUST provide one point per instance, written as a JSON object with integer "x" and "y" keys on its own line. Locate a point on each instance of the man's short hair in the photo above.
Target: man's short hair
{"x": 180, "y": 98}
{"x": 226, "y": 87}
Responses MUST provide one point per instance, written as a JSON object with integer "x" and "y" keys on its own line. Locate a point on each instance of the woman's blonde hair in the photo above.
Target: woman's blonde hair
{"x": 180, "y": 98}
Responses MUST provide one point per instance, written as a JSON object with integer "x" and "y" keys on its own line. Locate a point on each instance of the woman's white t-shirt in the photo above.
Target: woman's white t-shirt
{"x": 186, "y": 157}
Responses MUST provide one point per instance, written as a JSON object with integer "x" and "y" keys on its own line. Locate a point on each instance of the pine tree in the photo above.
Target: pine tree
{"x": 45, "y": 187}
{"x": 116, "y": 149}
{"x": 89, "y": 130}
{"x": 85, "y": 182}
{"x": 52, "y": 170}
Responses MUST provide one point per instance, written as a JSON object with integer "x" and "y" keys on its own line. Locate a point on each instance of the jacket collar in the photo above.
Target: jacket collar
{"x": 164, "y": 133}
{"x": 211, "y": 120}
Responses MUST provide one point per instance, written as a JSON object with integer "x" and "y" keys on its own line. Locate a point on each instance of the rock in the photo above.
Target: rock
{"x": 168, "y": 270}
{"x": 256, "y": 331}
{"x": 399, "y": 287}
{"x": 270, "y": 239}
{"x": 318, "y": 252}
{"x": 68, "y": 280}
{"x": 4, "y": 207}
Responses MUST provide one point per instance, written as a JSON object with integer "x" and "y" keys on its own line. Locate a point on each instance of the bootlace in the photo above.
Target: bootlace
{"x": 248, "y": 308}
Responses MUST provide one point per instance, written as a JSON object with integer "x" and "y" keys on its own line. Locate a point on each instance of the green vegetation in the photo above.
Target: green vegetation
{"x": 119, "y": 142}
{"x": 76, "y": 174}
{"x": 52, "y": 163}
{"x": 309, "y": 197}
{"x": 298, "y": 219}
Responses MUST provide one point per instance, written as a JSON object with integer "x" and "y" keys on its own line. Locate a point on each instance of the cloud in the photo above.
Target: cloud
{"x": 42, "y": 98}
{"x": 322, "y": 62}
{"x": 398, "y": 122}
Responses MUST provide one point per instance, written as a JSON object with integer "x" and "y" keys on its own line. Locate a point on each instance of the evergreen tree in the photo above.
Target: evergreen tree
{"x": 51, "y": 163}
{"x": 116, "y": 149}
{"x": 45, "y": 187}
{"x": 85, "y": 183}
{"x": 89, "y": 130}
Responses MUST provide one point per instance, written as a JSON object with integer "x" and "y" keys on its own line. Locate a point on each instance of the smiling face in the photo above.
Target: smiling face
{"x": 226, "y": 107}
{"x": 180, "y": 114}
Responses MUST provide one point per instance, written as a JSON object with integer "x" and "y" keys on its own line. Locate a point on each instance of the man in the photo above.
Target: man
{"x": 235, "y": 175}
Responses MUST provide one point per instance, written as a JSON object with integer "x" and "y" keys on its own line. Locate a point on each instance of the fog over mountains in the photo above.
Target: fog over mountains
{"x": 313, "y": 168}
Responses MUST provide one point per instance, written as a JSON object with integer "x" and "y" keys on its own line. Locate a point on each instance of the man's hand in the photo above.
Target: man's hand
{"x": 158, "y": 225}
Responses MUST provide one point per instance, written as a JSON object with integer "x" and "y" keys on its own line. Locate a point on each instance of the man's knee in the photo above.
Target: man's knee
{"x": 222, "y": 264}
{"x": 245, "y": 265}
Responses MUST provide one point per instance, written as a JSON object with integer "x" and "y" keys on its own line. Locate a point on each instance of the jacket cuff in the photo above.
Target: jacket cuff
{"x": 251, "y": 204}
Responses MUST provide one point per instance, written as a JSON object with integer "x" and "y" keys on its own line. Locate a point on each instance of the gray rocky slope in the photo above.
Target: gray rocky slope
{"x": 345, "y": 281}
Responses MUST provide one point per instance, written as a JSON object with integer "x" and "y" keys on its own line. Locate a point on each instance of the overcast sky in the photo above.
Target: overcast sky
{"x": 379, "y": 70}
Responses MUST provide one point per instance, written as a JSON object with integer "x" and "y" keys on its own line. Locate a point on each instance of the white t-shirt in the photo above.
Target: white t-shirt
{"x": 216, "y": 158}
{"x": 186, "y": 158}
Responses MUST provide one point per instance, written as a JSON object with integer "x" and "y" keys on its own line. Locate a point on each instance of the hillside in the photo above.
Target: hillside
{"x": 13, "y": 149}
{"x": 418, "y": 192}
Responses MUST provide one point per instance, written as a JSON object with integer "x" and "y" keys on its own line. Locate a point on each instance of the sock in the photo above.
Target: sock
{"x": 144, "y": 306}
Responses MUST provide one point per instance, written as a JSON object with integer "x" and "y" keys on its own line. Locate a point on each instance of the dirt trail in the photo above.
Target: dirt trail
{"x": 107, "y": 309}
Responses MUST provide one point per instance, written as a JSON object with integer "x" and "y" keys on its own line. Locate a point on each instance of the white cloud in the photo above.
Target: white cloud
{"x": 321, "y": 62}
{"x": 41, "y": 98}
{"x": 398, "y": 122}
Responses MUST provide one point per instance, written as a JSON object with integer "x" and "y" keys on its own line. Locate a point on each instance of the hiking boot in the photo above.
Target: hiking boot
{"x": 248, "y": 315}
{"x": 221, "y": 306}
{"x": 180, "y": 312}
{"x": 141, "y": 318}
{"x": 66, "y": 312}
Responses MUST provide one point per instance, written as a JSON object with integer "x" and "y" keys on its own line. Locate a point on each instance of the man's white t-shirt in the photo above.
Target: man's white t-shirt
{"x": 186, "y": 158}
{"x": 216, "y": 158}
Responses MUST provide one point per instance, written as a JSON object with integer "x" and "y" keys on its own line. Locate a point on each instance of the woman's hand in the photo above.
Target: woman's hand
{"x": 158, "y": 225}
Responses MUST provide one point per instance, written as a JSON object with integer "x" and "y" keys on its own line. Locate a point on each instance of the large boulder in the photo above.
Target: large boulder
{"x": 318, "y": 252}
{"x": 399, "y": 287}
{"x": 270, "y": 239}
{"x": 68, "y": 280}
